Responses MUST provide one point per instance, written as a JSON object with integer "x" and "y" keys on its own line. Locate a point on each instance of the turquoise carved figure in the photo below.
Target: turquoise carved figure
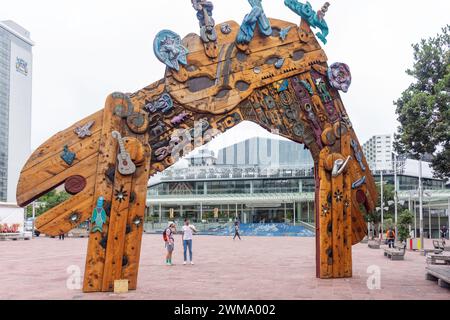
{"x": 256, "y": 16}
{"x": 68, "y": 156}
{"x": 98, "y": 216}
{"x": 324, "y": 93}
{"x": 314, "y": 19}
{"x": 169, "y": 49}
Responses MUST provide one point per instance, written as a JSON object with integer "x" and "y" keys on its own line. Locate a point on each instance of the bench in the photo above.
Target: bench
{"x": 395, "y": 253}
{"x": 438, "y": 245}
{"x": 374, "y": 244}
{"x": 426, "y": 252}
{"x": 438, "y": 259}
{"x": 79, "y": 233}
{"x": 439, "y": 273}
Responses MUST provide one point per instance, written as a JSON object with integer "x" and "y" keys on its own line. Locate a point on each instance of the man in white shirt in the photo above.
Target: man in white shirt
{"x": 188, "y": 231}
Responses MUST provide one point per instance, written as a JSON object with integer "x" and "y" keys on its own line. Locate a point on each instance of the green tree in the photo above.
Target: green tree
{"x": 424, "y": 108}
{"x": 48, "y": 201}
{"x": 405, "y": 219}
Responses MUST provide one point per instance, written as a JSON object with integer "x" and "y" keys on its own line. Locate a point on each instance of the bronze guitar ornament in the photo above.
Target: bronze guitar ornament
{"x": 271, "y": 72}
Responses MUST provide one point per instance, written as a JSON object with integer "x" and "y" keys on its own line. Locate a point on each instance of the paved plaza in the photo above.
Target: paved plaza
{"x": 254, "y": 268}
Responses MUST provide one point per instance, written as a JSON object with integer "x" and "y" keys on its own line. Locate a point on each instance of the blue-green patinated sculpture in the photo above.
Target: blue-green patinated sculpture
{"x": 98, "y": 216}
{"x": 68, "y": 156}
{"x": 256, "y": 16}
{"x": 169, "y": 50}
{"x": 314, "y": 19}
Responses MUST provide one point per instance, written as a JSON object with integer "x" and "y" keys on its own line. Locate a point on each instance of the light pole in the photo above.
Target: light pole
{"x": 34, "y": 205}
{"x": 382, "y": 205}
{"x": 429, "y": 220}
{"x": 395, "y": 193}
{"x": 382, "y": 208}
{"x": 448, "y": 219}
{"x": 421, "y": 205}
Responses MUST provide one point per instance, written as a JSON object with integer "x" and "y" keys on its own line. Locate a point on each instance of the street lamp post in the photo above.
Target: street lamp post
{"x": 421, "y": 205}
{"x": 429, "y": 220}
{"x": 448, "y": 219}
{"x": 395, "y": 193}
{"x": 382, "y": 204}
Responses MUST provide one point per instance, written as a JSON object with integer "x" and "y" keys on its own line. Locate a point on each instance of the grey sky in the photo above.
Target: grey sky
{"x": 86, "y": 49}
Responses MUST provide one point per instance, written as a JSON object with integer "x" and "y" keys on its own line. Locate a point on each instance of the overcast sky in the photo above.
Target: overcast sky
{"x": 86, "y": 49}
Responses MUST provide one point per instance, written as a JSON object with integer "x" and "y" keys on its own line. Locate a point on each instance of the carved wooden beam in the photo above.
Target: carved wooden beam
{"x": 280, "y": 81}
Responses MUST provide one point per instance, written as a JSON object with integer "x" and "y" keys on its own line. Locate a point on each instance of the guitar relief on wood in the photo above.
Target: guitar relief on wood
{"x": 280, "y": 81}
{"x": 125, "y": 165}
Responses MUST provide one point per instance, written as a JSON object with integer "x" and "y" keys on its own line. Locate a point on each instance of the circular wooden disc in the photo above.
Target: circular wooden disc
{"x": 328, "y": 137}
{"x": 138, "y": 122}
{"x": 361, "y": 196}
{"x": 75, "y": 185}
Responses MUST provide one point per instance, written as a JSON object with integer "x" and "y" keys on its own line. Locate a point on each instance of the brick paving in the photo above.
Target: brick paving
{"x": 255, "y": 268}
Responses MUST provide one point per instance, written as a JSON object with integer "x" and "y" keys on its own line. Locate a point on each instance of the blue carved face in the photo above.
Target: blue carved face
{"x": 100, "y": 202}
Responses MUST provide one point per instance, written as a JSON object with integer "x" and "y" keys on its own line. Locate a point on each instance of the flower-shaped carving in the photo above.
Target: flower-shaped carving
{"x": 340, "y": 76}
{"x": 339, "y": 196}
{"x": 325, "y": 210}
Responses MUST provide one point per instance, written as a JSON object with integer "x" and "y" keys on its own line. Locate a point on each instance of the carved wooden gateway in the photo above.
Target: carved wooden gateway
{"x": 267, "y": 71}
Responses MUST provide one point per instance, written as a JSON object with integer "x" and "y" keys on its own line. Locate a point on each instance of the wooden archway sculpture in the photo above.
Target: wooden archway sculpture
{"x": 278, "y": 80}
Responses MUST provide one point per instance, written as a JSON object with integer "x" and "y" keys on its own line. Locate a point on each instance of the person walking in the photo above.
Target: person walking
{"x": 188, "y": 231}
{"x": 169, "y": 241}
{"x": 444, "y": 232}
{"x": 236, "y": 230}
{"x": 390, "y": 237}
{"x": 61, "y": 236}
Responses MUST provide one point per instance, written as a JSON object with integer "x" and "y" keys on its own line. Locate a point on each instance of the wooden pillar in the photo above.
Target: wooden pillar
{"x": 335, "y": 214}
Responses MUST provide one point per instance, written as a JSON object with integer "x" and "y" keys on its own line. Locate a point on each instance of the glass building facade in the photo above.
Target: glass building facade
{"x": 5, "y": 62}
{"x": 257, "y": 181}
{"x": 15, "y": 105}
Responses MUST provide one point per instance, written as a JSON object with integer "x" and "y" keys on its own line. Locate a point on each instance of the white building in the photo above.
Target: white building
{"x": 378, "y": 152}
{"x": 15, "y": 105}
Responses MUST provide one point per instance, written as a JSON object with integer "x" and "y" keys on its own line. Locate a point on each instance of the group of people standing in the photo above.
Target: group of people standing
{"x": 188, "y": 232}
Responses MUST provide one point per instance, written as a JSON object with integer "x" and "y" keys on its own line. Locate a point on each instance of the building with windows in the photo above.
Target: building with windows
{"x": 378, "y": 152}
{"x": 15, "y": 105}
{"x": 262, "y": 152}
{"x": 252, "y": 183}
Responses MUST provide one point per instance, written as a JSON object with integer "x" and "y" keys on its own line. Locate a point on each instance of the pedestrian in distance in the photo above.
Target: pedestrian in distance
{"x": 236, "y": 230}
{"x": 188, "y": 234}
{"x": 444, "y": 232}
{"x": 390, "y": 236}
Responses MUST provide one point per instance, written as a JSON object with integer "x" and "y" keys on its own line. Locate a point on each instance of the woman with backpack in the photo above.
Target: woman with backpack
{"x": 169, "y": 241}
{"x": 390, "y": 238}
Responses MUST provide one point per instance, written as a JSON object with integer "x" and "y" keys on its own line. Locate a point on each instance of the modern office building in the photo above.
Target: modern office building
{"x": 262, "y": 152}
{"x": 246, "y": 183}
{"x": 15, "y": 105}
{"x": 378, "y": 152}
